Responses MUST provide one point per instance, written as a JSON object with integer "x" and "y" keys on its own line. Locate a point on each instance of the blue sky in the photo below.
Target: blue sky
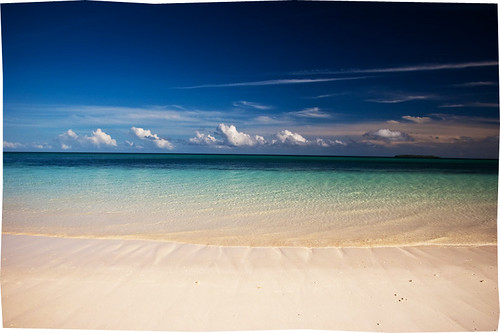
{"x": 332, "y": 78}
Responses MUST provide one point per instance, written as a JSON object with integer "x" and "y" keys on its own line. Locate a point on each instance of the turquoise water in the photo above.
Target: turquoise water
{"x": 252, "y": 200}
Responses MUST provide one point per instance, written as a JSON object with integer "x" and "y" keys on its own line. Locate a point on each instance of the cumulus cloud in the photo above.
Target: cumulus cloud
{"x": 287, "y": 137}
{"x": 146, "y": 135}
{"x": 418, "y": 120}
{"x": 385, "y": 134}
{"x": 98, "y": 138}
{"x": 203, "y": 139}
{"x": 232, "y": 137}
{"x": 329, "y": 143}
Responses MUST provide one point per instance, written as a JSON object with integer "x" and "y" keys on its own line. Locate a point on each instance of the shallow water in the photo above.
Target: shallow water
{"x": 252, "y": 200}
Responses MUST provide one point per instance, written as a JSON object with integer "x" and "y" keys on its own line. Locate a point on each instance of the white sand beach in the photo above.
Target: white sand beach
{"x": 50, "y": 282}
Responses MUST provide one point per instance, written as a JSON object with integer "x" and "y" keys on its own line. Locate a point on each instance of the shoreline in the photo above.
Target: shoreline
{"x": 52, "y": 282}
{"x": 214, "y": 244}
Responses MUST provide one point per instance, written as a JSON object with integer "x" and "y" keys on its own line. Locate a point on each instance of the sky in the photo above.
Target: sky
{"x": 321, "y": 78}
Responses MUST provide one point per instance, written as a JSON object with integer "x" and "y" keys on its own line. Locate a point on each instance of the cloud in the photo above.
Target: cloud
{"x": 329, "y": 143}
{"x": 269, "y": 120}
{"x": 271, "y": 82}
{"x": 467, "y": 120}
{"x": 154, "y": 138}
{"x": 470, "y": 105}
{"x": 234, "y": 138}
{"x": 98, "y": 139}
{"x": 327, "y": 95}
{"x": 12, "y": 145}
{"x": 231, "y": 137}
{"x": 203, "y": 139}
{"x": 418, "y": 120}
{"x": 400, "y": 69}
{"x": 387, "y": 135}
{"x": 71, "y": 134}
{"x": 475, "y": 84}
{"x": 42, "y": 146}
{"x": 314, "y": 112}
{"x": 287, "y": 137}
{"x": 251, "y": 105}
{"x": 401, "y": 99}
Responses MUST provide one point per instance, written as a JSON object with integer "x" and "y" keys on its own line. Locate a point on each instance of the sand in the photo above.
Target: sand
{"x": 115, "y": 284}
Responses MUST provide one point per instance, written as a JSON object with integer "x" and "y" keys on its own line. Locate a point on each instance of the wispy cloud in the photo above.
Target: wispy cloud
{"x": 401, "y": 99}
{"x": 314, "y": 112}
{"x": 399, "y": 69}
{"x": 468, "y": 120}
{"x": 418, "y": 120}
{"x": 475, "y": 84}
{"x": 272, "y": 82}
{"x": 327, "y": 95}
{"x": 470, "y": 105}
{"x": 253, "y": 105}
{"x": 12, "y": 145}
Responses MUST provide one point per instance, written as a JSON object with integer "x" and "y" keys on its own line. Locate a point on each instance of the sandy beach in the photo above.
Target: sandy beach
{"x": 50, "y": 282}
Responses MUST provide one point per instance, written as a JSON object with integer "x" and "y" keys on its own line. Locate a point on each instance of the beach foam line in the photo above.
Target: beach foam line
{"x": 51, "y": 282}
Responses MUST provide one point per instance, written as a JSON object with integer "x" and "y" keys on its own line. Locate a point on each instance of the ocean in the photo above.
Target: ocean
{"x": 252, "y": 200}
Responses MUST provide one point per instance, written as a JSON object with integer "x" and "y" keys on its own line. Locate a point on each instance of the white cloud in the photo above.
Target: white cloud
{"x": 251, "y": 105}
{"x": 411, "y": 68}
{"x": 387, "y": 135}
{"x": 146, "y": 135}
{"x": 67, "y": 139}
{"x": 271, "y": 82}
{"x": 203, "y": 139}
{"x": 314, "y": 112}
{"x": 234, "y": 138}
{"x": 42, "y": 146}
{"x": 71, "y": 134}
{"x": 401, "y": 99}
{"x": 13, "y": 145}
{"x": 393, "y": 122}
{"x": 99, "y": 138}
{"x": 418, "y": 120}
{"x": 287, "y": 137}
{"x": 329, "y": 143}
{"x": 68, "y": 135}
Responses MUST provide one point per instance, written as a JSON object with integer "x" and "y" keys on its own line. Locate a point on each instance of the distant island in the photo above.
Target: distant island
{"x": 416, "y": 156}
